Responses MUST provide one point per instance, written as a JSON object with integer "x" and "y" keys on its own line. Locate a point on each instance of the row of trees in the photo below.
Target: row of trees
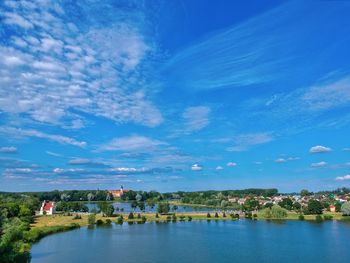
{"x": 67, "y": 195}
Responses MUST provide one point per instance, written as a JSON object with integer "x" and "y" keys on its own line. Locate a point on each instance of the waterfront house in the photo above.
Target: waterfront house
{"x": 47, "y": 208}
{"x": 332, "y": 208}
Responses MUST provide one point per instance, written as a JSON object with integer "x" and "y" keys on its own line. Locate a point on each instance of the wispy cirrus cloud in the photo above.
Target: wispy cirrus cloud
{"x": 132, "y": 143}
{"x": 254, "y": 51}
{"x": 196, "y": 118}
{"x": 18, "y": 132}
{"x": 244, "y": 142}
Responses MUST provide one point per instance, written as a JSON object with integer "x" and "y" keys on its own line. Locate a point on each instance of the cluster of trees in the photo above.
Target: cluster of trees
{"x": 67, "y": 195}
{"x": 275, "y": 212}
{"x": 16, "y": 214}
{"x": 71, "y": 207}
{"x": 220, "y": 198}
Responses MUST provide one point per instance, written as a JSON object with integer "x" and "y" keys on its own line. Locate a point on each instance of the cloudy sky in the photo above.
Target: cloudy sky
{"x": 174, "y": 95}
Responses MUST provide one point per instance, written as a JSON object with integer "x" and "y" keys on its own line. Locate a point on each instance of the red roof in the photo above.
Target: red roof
{"x": 47, "y": 206}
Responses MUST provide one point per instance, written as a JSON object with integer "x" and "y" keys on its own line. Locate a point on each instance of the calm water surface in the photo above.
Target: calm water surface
{"x": 127, "y": 208}
{"x": 201, "y": 241}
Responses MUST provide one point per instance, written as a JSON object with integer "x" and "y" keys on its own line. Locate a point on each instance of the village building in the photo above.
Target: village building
{"x": 118, "y": 193}
{"x": 47, "y": 208}
{"x": 332, "y": 208}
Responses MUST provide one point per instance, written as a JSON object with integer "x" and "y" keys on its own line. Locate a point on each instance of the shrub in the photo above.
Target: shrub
{"x": 77, "y": 216}
{"x": 168, "y": 218}
{"x": 174, "y": 218}
{"x": 157, "y": 215}
{"x": 216, "y": 215}
{"x": 108, "y": 221}
{"x": 190, "y": 218}
{"x": 138, "y": 216}
{"x": 131, "y": 216}
{"x": 99, "y": 222}
{"x": 91, "y": 219}
{"x": 143, "y": 219}
{"x": 208, "y": 215}
{"x": 182, "y": 218}
{"x": 223, "y": 214}
{"x": 120, "y": 220}
{"x": 301, "y": 217}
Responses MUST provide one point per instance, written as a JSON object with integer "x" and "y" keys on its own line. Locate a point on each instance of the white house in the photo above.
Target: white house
{"x": 47, "y": 208}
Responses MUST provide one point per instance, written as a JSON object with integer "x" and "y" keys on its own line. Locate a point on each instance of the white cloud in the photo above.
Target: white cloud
{"x": 286, "y": 159}
{"x": 319, "y": 164}
{"x": 244, "y": 142}
{"x": 196, "y": 167}
{"x": 132, "y": 143}
{"x": 60, "y": 68}
{"x": 17, "y": 132}
{"x": 218, "y": 168}
{"x": 342, "y": 178}
{"x": 70, "y": 170}
{"x": 196, "y": 118}
{"x": 19, "y": 170}
{"x": 16, "y": 20}
{"x": 320, "y": 149}
{"x": 129, "y": 170}
{"x": 10, "y": 149}
{"x": 231, "y": 164}
{"x": 280, "y": 160}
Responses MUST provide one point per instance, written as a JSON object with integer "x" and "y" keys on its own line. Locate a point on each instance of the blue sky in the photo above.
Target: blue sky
{"x": 174, "y": 95}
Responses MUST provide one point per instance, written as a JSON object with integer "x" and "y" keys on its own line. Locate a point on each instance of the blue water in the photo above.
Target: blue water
{"x": 127, "y": 208}
{"x": 200, "y": 241}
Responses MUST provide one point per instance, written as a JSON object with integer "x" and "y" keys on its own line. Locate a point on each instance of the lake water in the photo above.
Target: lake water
{"x": 127, "y": 208}
{"x": 200, "y": 241}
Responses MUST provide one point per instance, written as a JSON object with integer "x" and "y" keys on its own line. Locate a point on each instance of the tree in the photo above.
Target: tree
{"x": 90, "y": 197}
{"x": 131, "y": 215}
{"x": 345, "y": 209}
{"x": 163, "y": 208}
{"x": 224, "y": 203}
{"x": 338, "y": 206}
{"x": 174, "y": 208}
{"x": 304, "y": 192}
{"x": 91, "y": 219}
{"x": 297, "y": 206}
{"x": 275, "y": 212}
{"x": 106, "y": 208}
{"x": 286, "y": 203}
{"x": 134, "y": 204}
{"x": 314, "y": 207}
{"x": 138, "y": 197}
{"x": 141, "y": 206}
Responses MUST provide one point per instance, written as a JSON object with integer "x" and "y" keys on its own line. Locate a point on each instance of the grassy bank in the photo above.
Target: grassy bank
{"x": 62, "y": 220}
